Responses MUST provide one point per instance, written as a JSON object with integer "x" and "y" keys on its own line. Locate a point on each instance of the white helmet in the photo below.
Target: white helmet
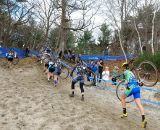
{"x": 51, "y": 62}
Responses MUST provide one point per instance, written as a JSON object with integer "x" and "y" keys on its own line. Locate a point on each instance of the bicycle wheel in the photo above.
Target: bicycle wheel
{"x": 88, "y": 79}
{"x": 147, "y": 73}
{"x": 64, "y": 73}
{"x": 15, "y": 61}
{"x": 120, "y": 91}
{"x": 4, "y": 63}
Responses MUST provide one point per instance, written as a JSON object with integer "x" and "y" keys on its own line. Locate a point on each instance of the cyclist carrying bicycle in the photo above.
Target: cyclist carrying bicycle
{"x": 80, "y": 70}
{"x": 57, "y": 72}
{"x": 132, "y": 88}
{"x": 51, "y": 69}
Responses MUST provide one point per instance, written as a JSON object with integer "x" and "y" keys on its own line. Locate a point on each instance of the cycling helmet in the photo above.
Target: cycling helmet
{"x": 125, "y": 64}
{"x": 51, "y": 63}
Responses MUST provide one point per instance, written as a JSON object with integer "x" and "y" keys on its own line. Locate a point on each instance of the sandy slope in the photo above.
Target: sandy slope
{"x": 29, "y": 102}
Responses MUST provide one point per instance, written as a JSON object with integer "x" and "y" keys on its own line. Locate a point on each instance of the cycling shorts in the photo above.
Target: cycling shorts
{"x": 51, "y": 70}
{"x": 79, "y": 78}
{"x": 10, "y": 59}
{"x": 133, "y": 90}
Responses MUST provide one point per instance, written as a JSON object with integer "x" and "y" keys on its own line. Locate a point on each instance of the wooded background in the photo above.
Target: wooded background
{"x": 130, "y": 26}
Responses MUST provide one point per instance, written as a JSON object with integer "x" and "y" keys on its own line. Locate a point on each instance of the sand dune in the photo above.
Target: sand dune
{"x": 29, "y": 102}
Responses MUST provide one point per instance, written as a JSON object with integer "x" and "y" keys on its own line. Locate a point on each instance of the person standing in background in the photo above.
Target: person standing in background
{"x": 100, "y": 69}
{"x": 27, "y": 52}
{"x": 115, "y": 73}
{"x": 106, "y": 73}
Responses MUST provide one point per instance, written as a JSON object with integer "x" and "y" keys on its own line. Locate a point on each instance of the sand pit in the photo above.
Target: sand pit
{"x": 29, "y": 102}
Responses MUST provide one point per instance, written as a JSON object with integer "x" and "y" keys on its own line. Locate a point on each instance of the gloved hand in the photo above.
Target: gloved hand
{"x": 127, "y": 86}
{"x": 140, "y": 84}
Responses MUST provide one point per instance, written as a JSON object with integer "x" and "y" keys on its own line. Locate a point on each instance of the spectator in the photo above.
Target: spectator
{"x": 95, "y": 70}
{"x": 100, "y": 69}
{"x": 106, "y": 73}
{"x": 27, "y": 52}
{"x": 115, "y": 73}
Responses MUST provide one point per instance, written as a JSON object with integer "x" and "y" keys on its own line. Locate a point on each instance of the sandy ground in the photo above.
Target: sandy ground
{"x": 29, "y": 102}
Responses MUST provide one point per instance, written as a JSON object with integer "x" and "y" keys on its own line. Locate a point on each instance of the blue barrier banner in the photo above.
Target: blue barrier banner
{"x": 19, "y": 52}
{"x": 103, "y": 57}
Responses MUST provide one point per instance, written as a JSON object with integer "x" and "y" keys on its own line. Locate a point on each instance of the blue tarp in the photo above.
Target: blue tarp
{"x": 103, "y": 57}
{"x": 20, "y": 53}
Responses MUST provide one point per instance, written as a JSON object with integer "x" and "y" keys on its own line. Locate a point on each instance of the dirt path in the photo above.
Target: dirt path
{"x": 29, "y": 102}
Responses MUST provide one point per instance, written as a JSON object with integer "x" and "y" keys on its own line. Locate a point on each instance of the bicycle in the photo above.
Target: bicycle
{"x": 89, "y": 75}
{"x": 64, "y": 71}
{"x": 146, "y": 74}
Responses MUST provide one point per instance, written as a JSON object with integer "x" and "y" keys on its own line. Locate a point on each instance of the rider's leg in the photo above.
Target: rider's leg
{"x": 74, "y": 81}
{"x": 136, "y": 95}
{"x": 49, "y": 75}
{"x": 82, "y": 90}
{"x": 123, "y": 102}
{"x": 72, "y": 89}
{"x": 140, "y": 107}
{"x": 55, "y": 79}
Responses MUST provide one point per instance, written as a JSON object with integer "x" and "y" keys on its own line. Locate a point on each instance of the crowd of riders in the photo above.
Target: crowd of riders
{"x": 52, "y": 66}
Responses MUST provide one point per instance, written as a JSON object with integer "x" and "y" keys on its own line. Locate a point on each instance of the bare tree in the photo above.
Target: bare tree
{"x": 45, "y": 11}
{"x": 117, "y": 11}
{"x": 84, "y": 12}
{"x": 153, "y": 26}
{"x": 17, "y": 14}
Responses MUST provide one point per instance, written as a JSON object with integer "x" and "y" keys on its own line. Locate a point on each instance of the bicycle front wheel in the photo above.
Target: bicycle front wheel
{"x": 120, "y": 89}
{"x": 64, "y": 73}
{"x": 147, "y": 73}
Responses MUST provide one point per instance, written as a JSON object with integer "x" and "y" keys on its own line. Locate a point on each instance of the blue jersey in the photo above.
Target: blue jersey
{"x": 10, "y": 55}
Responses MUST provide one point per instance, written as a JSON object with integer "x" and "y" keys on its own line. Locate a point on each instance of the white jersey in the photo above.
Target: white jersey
{"x": 105, "y": 75}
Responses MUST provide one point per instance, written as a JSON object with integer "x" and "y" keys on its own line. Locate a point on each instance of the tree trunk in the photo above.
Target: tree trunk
{"x": 47, "y": 31}
{"x": 63, "y": 36}
{"x": 120, "y": 34}
{"x": 139, "y": 37}
{"x": 120, "y": 40}
{"x": 152, "y": 44}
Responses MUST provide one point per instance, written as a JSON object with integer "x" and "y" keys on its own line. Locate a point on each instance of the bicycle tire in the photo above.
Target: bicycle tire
{"x": 64, "y": 73}
{"x": 120, "y": 87}
{"x": 149, "y": 72}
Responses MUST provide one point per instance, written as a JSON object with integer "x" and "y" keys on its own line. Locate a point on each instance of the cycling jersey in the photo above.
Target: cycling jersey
{"x": 10, "y": 55}
{"x": 51, "y": 67}
{"x": 130, "y": 77}
{"x": 133, "y": 87}
{"x": 80, "y": 69}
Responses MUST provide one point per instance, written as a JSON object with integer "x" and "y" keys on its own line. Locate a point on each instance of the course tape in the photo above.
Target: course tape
{"x": 106, "y": 87}
{"x": 111, "y": 89}
{"x": 150, "y": 89}
{"x": 151, "y": 102}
